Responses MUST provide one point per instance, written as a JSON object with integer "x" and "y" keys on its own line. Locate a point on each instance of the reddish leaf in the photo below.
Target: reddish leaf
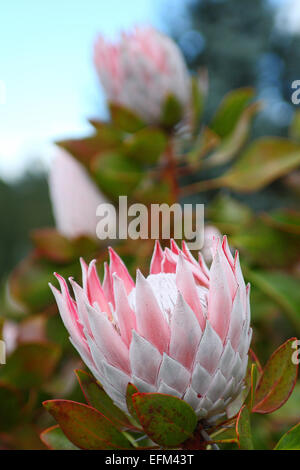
{"x": 255, "y": 359}
{"x": 98, "y": 398}
{"x": 277, "y": 381}
{"x": 85, "y": 426}
{"x": 56, "y": 248}
{"x": 85, "y": 149}
{"x": 166, "y": 419}
{"x": 52, "y": 245}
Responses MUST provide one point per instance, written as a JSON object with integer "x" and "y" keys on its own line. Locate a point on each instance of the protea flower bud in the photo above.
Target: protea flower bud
{"x": 184, "y": 330}
{"x": 74, "y": 197}
{"x": 141, "y": 71}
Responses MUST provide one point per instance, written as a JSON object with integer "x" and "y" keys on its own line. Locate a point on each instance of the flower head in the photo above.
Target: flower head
{"x": 74, "y": 196}
{"x": 141, "y": 70}
{"x": 184, "y": 330}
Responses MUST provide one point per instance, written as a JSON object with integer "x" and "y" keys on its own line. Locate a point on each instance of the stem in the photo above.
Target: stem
{"x": 171, "y": 170}
{"x": 208, "y": 439}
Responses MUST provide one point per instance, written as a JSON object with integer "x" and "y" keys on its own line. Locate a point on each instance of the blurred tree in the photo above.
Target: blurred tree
{"x": 24, "y": 205}
{"x": 243, "y": 44}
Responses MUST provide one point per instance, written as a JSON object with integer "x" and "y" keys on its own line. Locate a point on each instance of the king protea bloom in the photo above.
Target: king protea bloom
{"x": 141, "y": 70}
{"x": 183, "y": 330}
{"x": 74, "y": 196}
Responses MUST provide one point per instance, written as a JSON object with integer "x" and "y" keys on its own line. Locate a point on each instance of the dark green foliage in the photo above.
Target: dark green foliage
{"x": 24, "y": 205}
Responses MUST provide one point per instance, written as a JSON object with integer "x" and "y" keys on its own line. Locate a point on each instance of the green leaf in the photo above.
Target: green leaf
{"x": 290, "y": 440}
{"x": 151, "y": 191}
{"x": 234, "y": 141}
{"x": 283, "y": 289}
{"x": 10, "y": 307}
{"x": 229, "y": 214}
{"x": 85, "y": 426}
{"x": 166, "y": 419}
{"x": 197, "y": 99}
{"x": 255, "y": 240}
{"x": 146, "y": 145}
{"x": 98, "y": 398}
{"x": 109, "y": 136}
{"x": 203, "y": 144}
{"x": 125, "y": 119}
{"x": 252, "y": 386}
{"x": 264, "y": 161}
{"x": 172, "y": 112}
{"x": 277, "y": 381}
{"x": 30, "y": 365}
{"x": 28, "y": 284}
{"x": 116, "y": 174}
{"x": 230, "y": 111}
{"x": 55, "y": 439}
{"x": 225, "y": 436}
{"x": 243, "y": 429}
{"x": 286, "y": 220}
{"x": 56, "y": 332}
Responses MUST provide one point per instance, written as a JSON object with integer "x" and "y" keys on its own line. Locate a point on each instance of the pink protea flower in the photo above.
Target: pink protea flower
{"x": 141, "y": 70}
{"x": 184, "y": 330}
{"x": 74, "y": 196}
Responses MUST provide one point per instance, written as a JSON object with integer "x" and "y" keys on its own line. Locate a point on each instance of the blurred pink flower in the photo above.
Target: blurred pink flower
{"x": 74, "y": 197}
{"x": 10, "y": 335}
{"x": 141, "y": 70}
{"x": 184, "y": 330}
{"x": 210, "y": 233}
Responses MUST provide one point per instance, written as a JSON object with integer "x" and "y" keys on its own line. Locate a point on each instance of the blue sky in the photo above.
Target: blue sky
{"x": 46, "y": 66}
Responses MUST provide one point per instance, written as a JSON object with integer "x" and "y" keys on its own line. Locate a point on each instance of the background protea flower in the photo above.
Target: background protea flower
{"x": 74, "y": 196}
{"x": 141, "y": 70}
{"x": 210, "y": 233}
{"x": 183, "y": 331}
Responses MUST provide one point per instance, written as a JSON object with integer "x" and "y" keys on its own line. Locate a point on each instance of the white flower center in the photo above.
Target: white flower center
{"x": 166, "y": 291}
